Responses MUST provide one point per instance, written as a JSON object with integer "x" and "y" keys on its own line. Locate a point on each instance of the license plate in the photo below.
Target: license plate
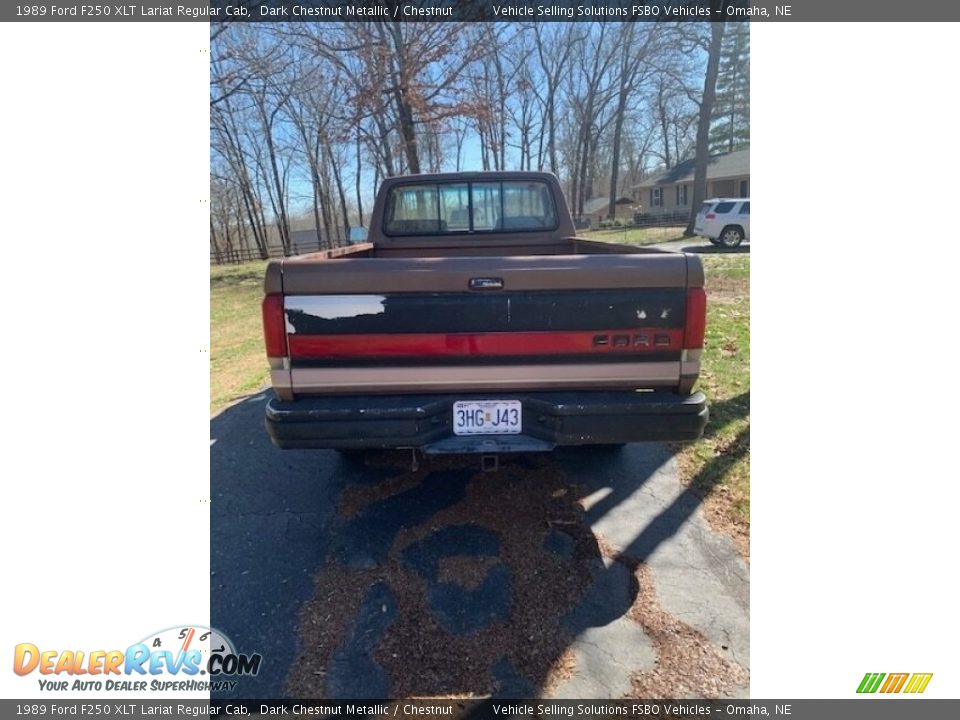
{"x": 487, "y": 417}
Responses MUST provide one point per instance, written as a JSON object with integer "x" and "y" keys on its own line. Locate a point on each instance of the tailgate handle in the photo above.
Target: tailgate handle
{"x": 486, "y": 283}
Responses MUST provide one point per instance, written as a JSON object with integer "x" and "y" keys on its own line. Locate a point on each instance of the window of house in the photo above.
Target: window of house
{"x": 724, "y": 188}
{"x": 744, "y": 188}
{"x": 656, "y": 197}
{"x": 681, "y": 195}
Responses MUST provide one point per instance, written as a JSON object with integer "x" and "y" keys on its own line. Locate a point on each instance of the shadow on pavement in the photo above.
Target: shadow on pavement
{"x": 674, "y": 515}
{"x": 363, "y": 578}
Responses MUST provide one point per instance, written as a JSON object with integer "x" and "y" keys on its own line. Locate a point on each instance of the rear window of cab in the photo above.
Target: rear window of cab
{"x": 723, "y": 207}
{"x": 469, "y": 207}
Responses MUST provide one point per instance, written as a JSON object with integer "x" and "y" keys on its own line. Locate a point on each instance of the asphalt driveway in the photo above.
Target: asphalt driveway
{"x": 583, "y": 573}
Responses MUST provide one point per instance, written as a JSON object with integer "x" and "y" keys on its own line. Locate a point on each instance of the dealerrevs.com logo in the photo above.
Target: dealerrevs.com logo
{"x": 894, "y": 683}
{"x": 185, "y": 658}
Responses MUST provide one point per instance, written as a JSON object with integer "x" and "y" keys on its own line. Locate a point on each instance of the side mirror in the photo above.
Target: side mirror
{"x": 357, "y": 235}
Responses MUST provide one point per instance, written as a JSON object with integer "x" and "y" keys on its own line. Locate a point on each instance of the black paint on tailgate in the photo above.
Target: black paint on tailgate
{"x": 505, "y": 312}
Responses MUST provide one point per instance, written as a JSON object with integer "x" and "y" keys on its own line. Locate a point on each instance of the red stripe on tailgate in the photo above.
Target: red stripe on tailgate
{"x": 493, "y": 343}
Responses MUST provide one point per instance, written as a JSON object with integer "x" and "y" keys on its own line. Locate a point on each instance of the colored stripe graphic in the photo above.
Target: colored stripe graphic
{"x": 639, "y": 341}
{"x": 894, "y": 682}
{"x": 918, "y": 682}
{"x": 870, "y": 682}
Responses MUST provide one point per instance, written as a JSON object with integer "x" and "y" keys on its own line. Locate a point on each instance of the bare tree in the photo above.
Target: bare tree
{"x": 555, "y": 46}
{"x": 306, "y": 118}
{"x": 227, "y": 142}
{"x": 590, "y": 92}
{"x": 635, "y": 67}
{"x": 522, "y": 106}
{"x": 703, "y": 128}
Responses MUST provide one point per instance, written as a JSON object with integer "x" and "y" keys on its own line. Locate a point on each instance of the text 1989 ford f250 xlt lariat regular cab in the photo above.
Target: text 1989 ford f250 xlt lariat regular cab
{"x": 475, "y": 321}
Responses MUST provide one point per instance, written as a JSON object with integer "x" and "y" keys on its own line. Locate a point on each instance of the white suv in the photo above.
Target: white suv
{"x": 724, "y": 221}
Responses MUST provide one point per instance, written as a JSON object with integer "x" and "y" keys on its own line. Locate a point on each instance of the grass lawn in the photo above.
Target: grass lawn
{"x": 635, "y": 235}
{"x": 238, "y": 364}
{"x": 718, "y": 465}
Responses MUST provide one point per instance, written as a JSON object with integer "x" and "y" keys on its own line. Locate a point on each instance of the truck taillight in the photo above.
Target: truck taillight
{"x": 711, "y": 216}
{"x": 274, "y": 327}
{"x": 695, "y": 324}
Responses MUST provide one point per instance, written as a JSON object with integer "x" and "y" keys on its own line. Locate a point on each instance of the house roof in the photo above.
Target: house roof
{"x": 599, "y": 204}
{"x": 728, "y": 165}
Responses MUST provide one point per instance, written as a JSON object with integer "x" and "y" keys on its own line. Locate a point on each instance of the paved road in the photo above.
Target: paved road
{"x": 577, "y": 574}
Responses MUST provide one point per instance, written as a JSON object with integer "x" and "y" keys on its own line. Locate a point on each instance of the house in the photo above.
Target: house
{"x": 671, "y": 191}
{"x": 598, "y": 209}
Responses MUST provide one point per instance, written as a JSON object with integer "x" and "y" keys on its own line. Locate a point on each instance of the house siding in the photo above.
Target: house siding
{"x": 725, "y": 187}
{"x": 728, "y": 175}
{"x": 674, "y": 199}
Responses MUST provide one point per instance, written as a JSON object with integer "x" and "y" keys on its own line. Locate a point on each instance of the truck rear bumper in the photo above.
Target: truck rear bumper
{"x": 425, "y": 421}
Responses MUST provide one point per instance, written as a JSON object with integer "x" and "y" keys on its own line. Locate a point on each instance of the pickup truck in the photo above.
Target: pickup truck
{"x": 474, "y": 320}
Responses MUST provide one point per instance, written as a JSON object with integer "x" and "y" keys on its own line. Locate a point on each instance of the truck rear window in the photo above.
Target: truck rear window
{"x": 468, "y": 207}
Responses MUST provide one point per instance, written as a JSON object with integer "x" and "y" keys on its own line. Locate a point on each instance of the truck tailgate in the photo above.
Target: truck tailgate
{"x": 443, "y": 324}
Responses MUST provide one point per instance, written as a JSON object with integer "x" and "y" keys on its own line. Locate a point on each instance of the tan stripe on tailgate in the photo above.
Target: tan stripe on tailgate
{"x": 487, "y": 377}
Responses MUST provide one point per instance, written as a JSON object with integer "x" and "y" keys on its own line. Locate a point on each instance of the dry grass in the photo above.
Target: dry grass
{"x": 718, "y": 465}
{"x": 238, "y": 365}
{"x": 635, "y": 235}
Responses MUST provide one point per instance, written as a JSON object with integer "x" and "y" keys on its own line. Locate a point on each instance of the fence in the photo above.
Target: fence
{"x": 242, "y": 255}
{"x": 308, "y": 245}
{"x": 663, "y": 219}
{"x": 678, "y": 217}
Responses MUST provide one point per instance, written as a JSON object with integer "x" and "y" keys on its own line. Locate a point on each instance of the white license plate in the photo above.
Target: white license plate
{"x": 487, "y": 417}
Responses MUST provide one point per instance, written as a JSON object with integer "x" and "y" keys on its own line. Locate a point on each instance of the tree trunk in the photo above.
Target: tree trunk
{"x": 335, "y": 166}
{"x": 280, "y": 205}
{"x": 359, "y": 168}
{"x": 316, "y": 213}
{"x": 551, "y": 134}
{"x": 217, "y": 254}
{"x": 664, "y": 128}
{"x": 615, "y": 151}
{"x": 313, "y": 162}
{"x": 703, "y": 127}
{"x": 409, "y": 134}
{"x": 584, "y": 160}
